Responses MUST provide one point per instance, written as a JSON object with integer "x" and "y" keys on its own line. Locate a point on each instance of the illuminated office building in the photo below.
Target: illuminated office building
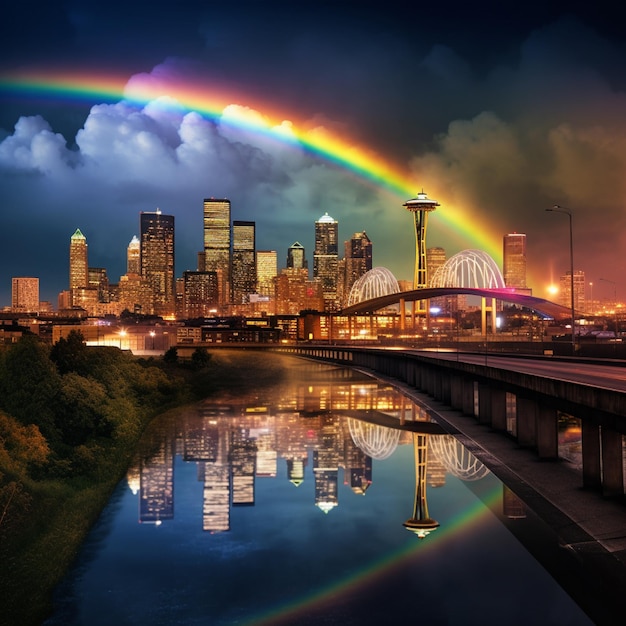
{"x": 217, "y": 242}
{"x": 266, "y": 271}
{"x": 356, "y": 262}
{"x": 435, "y": 258}
{"x": 514, "y": 260}
{"x": 295, "y": 292}
{"x": 325, "y": 259}
{"x": 243, "y": 272}
{"x": 79, "y": 270}
{"x": 25, "y": 295}
{"x": 157, "y": 259}
{"x": 99, "y": 280}
{"x": 296, "y": 258}
{"x": 565, "y": 290}
{"x": 133, "y": 256}
{"x": 200, "y": 294}
{"x": 134, "y": 294}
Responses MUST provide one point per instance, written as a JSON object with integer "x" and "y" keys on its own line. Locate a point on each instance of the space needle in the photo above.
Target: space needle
{"x": 420, "y": 206}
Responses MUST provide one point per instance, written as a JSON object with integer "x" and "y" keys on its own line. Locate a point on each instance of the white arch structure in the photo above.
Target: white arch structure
{"x": 472, "y": 269}
{"x": 457, "y": 459}
{"x": 376, "y": 441}
{"x": 379, "y": 281}
{"x": 469, "y": 268}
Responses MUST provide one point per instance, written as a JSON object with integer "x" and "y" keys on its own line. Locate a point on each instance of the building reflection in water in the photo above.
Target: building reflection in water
{"x": 340, "y": 426}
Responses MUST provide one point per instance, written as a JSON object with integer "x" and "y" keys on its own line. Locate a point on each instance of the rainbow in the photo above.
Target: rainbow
{"x": 465, "y": 521}
{"x": 211, "y": 104}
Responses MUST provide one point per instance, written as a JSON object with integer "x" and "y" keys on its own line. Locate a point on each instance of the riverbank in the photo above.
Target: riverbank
{"x": 59, "y": 512}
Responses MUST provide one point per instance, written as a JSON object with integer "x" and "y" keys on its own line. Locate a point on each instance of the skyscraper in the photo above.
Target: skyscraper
{"x": 266, "y": 271}
{"x": 565, "y": 291}
{"x": 514, "y": 260}
{"x": 325, "y": 259}
{"x": 25, "y": 295}
{"x": 79, "y": 270}
{"x": 157, "y": 259}
{"x": 217, "y": 242}
{"x": 357, "y": 261}
{"x": 133, "y": 256}
{"x": 243, "y": 274}
{"x": 435, "y": 258}
{"x": 296, "y": 258}
{"x": 200, "y": 294}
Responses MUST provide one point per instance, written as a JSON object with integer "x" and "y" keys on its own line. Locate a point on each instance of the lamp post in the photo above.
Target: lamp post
{"x": 606, "y": 280}
{"x": 557, "y": 208}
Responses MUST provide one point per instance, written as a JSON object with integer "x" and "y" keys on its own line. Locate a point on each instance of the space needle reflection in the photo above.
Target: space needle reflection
{"x": 420, "y": 523}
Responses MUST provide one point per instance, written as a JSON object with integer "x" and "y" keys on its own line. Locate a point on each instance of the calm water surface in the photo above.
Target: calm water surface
{"x": 288, "y": 506}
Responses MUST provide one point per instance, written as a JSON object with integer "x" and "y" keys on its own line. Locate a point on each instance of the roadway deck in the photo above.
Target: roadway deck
{"x": 589, "y": 559}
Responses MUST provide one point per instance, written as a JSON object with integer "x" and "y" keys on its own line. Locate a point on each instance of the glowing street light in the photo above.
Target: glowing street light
{"x": 559, "y": 209}
{"x": 122, "y": 334}
{"x": 152, "y": 334}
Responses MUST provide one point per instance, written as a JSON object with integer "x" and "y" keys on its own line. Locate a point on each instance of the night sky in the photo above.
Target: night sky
{"x": 497, "y": 111}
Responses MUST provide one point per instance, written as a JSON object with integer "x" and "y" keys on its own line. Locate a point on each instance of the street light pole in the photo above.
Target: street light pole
{"x": 559, "y": 209}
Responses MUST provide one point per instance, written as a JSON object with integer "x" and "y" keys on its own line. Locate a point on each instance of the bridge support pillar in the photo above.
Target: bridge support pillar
{"x": 612, "y": 463}
{"x": 526, "y": 421}
{"x": 547, "y": 433}
{"x": 467, "y": 402}
{"x": 592, "y": 476}
{"x": 438, "y": 384}
{"x": 456, "y": 392}
{"x": 484, "y": 404}
{"x": 498, "y": 409}
{"x": 446, "y": 388}
{"x": 427, "y": 378}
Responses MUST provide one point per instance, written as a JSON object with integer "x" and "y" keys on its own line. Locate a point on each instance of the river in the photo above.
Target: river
{"x": 328, "y": 499}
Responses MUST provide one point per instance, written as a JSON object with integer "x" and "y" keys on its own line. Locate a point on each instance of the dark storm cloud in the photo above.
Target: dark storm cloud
{"x": 499, "y": 115}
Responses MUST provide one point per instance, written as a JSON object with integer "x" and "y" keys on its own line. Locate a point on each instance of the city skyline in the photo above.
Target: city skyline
{"x": 327, "y": 117}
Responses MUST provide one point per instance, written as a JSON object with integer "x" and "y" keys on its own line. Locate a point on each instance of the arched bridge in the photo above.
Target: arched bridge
{"x": 540, "y": 305}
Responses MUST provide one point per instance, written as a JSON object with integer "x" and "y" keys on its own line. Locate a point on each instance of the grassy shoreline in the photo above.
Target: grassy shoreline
{"x": 62, "y": 512}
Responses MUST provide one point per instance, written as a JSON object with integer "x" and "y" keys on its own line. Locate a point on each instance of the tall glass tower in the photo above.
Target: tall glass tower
{"x": 296, "y": 257}
{"x": 217, "y": 242}
{"x": 514, "y": 260}
{"x": 157, "y": 259}
{"x": 357, "y": 258}
{"x": 243, "y": 275}
{"x": 133, "y": 256}
{"x": 325, "y": 259}
{"x": 79, "y": 272}
{"x": 79, "y": 269}
{"x": 266, "y": 271}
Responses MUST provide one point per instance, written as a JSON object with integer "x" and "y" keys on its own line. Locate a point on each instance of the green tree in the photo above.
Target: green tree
{"x": 70, "y": 355}
{"x": 21, "y": 447}
{"x": 200, "y": 358}
{"x": 171, "y": 355}
{"x": 30, "y": 385}
{"x": 84, "y": 413}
